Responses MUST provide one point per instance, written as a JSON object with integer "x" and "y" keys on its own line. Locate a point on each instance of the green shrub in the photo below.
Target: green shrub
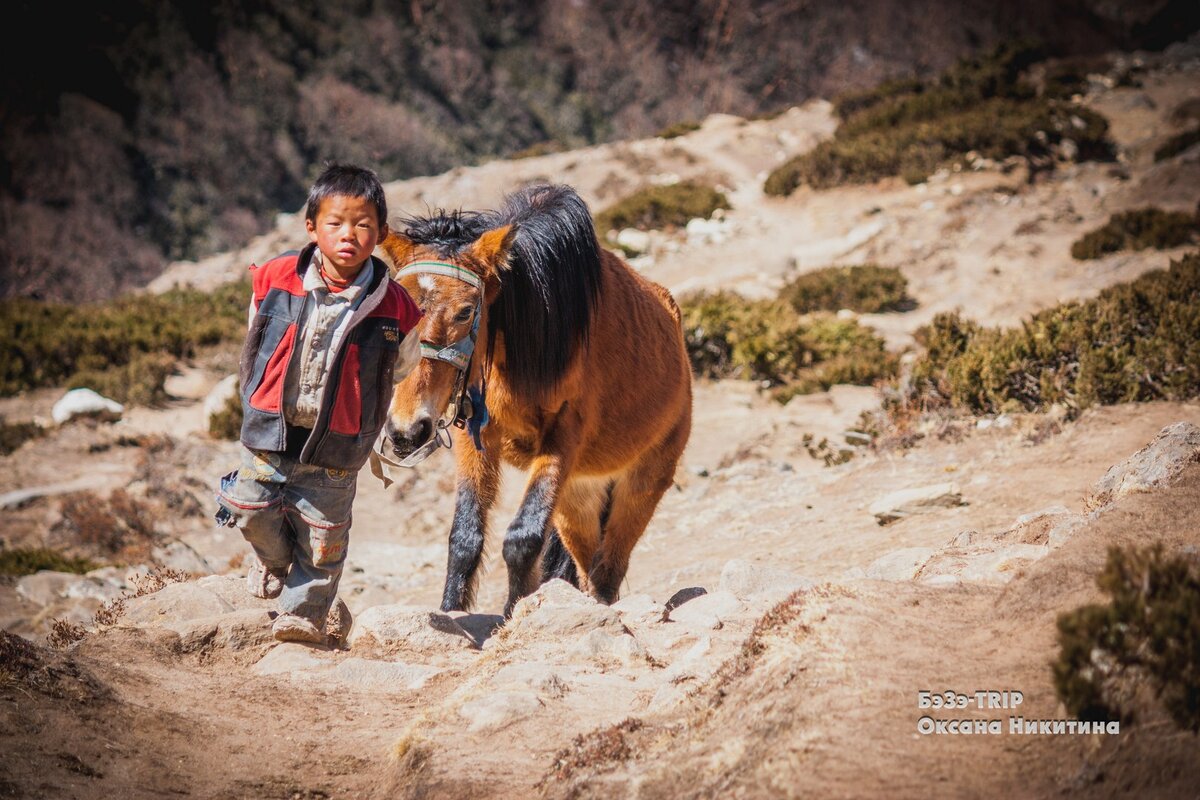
{"x": 1134, "y": 342}
{"x": 1177, "y": 144}
{"x": 678, "y": 129}
{"x": 729, "y": 336}
{"x": 227, "y": 423}
{"x": 28, "y": 560}
{"x": 45, "y": 344}
{"x": 662, "y": 207}
{"x": 910, "y": 128}
{"x": 15, "y": 434}
{"x": 1138, "y": 230}
{"x": 1149, "y": 631}
{"x": 140, "y": 382}
{"x": 865, "y": 288}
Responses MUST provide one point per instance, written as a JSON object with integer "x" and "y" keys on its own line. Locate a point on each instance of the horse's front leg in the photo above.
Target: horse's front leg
{"x": 478, "y": 480}
{"x": 527, "y": 533}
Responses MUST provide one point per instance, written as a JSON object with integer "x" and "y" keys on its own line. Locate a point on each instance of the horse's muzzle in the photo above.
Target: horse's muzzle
{"x": 407, "y": 441}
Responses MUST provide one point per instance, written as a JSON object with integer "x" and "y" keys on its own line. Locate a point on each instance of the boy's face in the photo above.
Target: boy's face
{"x": 346, "y": 230}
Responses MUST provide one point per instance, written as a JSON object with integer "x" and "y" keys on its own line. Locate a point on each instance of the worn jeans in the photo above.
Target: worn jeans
{"x": 297, "y": 518}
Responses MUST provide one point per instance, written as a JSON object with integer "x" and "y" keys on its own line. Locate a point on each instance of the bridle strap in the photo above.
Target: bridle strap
{"x": 441, "y": 268}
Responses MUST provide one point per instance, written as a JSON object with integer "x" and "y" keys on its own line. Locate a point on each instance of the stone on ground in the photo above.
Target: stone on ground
{"x": 921, "y": 500}
{"x": 1152, "y": 467}
{"x": 86, "y": 403}
{"x": 410, "y": 629}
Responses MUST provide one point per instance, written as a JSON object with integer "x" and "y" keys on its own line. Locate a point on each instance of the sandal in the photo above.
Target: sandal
{"x": 263, "y": 582}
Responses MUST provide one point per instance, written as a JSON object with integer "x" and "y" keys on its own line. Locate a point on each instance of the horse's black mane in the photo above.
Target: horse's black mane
{"x": 550, "y": 290}
{"x": 445, "y": 232}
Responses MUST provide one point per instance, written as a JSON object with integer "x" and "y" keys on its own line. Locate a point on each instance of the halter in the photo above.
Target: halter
{"x": 467, "y": 408}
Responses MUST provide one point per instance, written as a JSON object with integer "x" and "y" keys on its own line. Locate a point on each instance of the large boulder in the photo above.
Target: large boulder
{"x": 557, "y": 609}
{"x": 1155, "y": 465}
{"x": 175, "y": 602}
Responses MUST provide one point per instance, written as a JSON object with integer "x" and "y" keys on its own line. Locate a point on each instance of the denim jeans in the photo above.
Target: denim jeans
{"x": 297, "y": 518}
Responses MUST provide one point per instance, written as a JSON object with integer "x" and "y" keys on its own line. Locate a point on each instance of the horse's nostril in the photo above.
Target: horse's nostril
{"x": 424, "y": 429}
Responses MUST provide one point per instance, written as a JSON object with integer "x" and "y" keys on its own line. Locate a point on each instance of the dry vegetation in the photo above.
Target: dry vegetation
{"x": 1137, "y": 341}
{"x": 912, "y": 128}
{"x": 661, "y": 207}
{"x": 123, "y": 348}
{"x": 1139, "y": 229}
{"x": 865, "y": 288}
{"x": 729, "y": 336}
{"x": 1147, "y": 634}
{"x": 28, "y": 560}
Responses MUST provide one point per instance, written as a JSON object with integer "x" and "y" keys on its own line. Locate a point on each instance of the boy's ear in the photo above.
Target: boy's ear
{"x": 311, "y": 227}
{"x": 399, "y": 249}
{"x": 492, "y": 247}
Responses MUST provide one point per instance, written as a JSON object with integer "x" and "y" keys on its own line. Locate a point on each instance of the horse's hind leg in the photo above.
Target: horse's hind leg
{"x": 635, "y": 496}
{"x": 577, "y": 519}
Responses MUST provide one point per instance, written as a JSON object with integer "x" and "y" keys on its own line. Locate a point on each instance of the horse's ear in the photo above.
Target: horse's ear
{"x": 492, "y": 246}
{"x": 399, "y": 249}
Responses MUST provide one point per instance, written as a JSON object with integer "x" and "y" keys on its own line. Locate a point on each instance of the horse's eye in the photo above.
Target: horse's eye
{"x": 463, "y": 314}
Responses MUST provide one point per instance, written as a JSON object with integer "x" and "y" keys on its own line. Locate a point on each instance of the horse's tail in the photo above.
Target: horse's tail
{"x": 557, "y": 562}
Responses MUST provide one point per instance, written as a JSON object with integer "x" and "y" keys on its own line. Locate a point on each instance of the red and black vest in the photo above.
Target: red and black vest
{"x": 355, "y": 401}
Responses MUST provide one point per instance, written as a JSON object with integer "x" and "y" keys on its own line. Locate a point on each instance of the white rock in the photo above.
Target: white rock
{"x": 1152, "y": 467}
{"x": 695, "y": 664}
{"x": 225, "y": 390}
{"x": 639, "y": 609}
{"x": 899, "y": 565}
{"x": 498, "y": 710}
{"x": 743, "y": 579}
{"x": 558, "y": 609}
{"x": 543, "y": 678}
{"x": 175, "y": 602}
{"x": 370, "y": 675}
{"x": 920, "y": 500}
{"x": 634, "y": 240}
{"x": 401, "y": 627}
{"x": 86, "y": 403}
{"x": 237, "y": 630}
{"x": 709, "y": 611}
{"x": 604, "y": 645}
{"x": 289, "y": 657}
{"x": 45, "y": 587}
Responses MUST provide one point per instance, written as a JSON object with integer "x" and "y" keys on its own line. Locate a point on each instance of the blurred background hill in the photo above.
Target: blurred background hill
{"x": 142, "y": 132}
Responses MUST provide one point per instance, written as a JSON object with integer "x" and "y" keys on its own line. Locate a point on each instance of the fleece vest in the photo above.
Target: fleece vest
{"x": 355, "y": 401}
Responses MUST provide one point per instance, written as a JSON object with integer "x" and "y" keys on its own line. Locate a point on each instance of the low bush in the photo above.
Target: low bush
{"x": 28, "y": 560}
{"x": 120, "y": 527}
{"x": 1134, "y": 342}
{"x": 911, "y": 128}
{"x": 46, "y": 344}
{"x": 1177, "y": 144}
{"x": 729, "y": 336}
{"x": 15, "y": 434}
{"x": 662, "y": 207}
{"x": 1147, "y": 633}
{"x": 678, "y": 129}
{"x": 227, "y": 423}
{"x": 865, "y": 288}
{"x": 1138, "y": 230}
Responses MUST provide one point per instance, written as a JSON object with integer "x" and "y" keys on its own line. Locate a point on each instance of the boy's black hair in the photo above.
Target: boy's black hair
{"x": 347, "y": 180}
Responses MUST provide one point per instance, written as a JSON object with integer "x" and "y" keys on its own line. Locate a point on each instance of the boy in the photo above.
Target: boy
{"x": 328, "y": 334}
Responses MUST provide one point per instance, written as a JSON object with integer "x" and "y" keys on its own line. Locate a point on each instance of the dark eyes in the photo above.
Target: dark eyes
{"x": 464, "y": 314}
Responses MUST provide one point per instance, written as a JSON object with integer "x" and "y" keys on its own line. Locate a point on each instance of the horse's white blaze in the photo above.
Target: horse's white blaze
{"x": 426, "y": 282}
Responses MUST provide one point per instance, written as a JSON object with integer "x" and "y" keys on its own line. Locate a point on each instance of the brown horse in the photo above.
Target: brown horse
{"x": 581, "y": 366}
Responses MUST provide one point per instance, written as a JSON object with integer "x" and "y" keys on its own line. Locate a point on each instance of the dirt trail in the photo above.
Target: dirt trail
{"x": 185, "y": 695}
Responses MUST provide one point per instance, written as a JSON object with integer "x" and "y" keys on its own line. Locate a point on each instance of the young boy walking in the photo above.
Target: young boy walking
{"x": 328, "y": 337}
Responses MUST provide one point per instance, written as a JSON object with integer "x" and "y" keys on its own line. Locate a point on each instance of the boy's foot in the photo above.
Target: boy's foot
{"x": 293, "y": 628}
{"x": 339, "y": 622}
{"x": 263, "y": 582}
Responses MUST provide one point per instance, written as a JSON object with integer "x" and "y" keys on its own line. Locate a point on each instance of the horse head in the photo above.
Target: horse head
{"x": 454, "y": 278}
